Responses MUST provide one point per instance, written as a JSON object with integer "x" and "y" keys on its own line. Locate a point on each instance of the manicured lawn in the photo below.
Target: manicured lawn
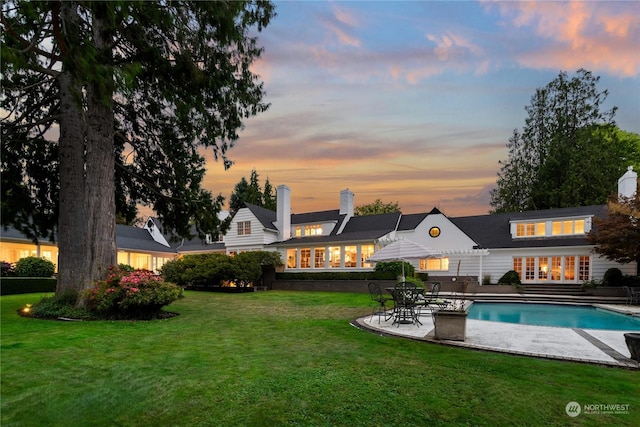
{"x": 280, "y": 358}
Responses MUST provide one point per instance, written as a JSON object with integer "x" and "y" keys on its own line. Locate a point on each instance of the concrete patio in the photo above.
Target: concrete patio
{"x": 603, "y": 347}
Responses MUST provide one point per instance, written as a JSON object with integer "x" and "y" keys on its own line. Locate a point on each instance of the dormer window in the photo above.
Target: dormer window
{"x": 308, "y": 230}
{"x": 551, "y": 228}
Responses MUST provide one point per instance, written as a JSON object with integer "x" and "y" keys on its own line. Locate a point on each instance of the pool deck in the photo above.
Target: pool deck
{"x": 603, "y": 347}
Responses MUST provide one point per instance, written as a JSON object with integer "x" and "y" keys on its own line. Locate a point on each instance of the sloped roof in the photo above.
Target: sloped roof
{"x": 316, "y": 217}
{"x": 493, "y": 231}
{"x": 266, "y": 217}
{"x": 411, "y": 221}
{"x": 358, "y": 228}
{"x": 134, "y": 238}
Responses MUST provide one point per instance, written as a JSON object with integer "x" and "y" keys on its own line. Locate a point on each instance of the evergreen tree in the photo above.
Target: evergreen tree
{"x": 568, "y": 153}
{"x": 135, "y": 88}
{"x": 250, "y": 192}
{"x": 269, "y": 197}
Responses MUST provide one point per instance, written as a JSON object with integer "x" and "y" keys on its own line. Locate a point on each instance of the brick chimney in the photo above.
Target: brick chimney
{"x": 283, "y": 212}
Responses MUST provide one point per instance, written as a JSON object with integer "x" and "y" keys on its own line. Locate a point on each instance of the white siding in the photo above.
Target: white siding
{"x": 258, "y": 238}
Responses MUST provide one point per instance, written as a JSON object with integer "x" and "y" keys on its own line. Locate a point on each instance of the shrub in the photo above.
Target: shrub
{"x": 34, "y": 267}
{"x": 6, "y": 269}
{"x": 396, "y": 268}
{"x": 612, "y": 277}
{"x": 631, "y": 281}
{"x": 199, "y": 270}
{"x": 510, "y": 278}
{"x": 137, "y": 294}
{"x": 486, "y": 280}
{"x": 415, "y": 281}
{"x": 60, "y": 306}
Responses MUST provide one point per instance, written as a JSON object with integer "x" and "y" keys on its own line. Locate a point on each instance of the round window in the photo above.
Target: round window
{"x": 434, "y": 231}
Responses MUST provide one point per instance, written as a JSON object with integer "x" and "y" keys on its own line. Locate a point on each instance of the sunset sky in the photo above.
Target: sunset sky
{"x": 414, "y": 102}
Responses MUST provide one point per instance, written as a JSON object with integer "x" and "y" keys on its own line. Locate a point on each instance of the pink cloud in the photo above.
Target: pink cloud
{"x": 593, "y": 35}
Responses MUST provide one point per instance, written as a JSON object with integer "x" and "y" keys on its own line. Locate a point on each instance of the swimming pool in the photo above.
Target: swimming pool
{"x": 565, "y": 316}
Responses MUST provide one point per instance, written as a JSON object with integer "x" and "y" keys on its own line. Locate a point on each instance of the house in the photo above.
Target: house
{"x": 544, "y": 246}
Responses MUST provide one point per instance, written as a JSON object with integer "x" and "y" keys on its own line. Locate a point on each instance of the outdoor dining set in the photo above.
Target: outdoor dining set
{"x": 409, "y": 301}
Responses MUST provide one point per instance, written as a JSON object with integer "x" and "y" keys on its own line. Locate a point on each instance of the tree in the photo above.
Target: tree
{"x": 376, "y": 208}
{"x": 250, "y": 192}
{"x": 617, "y": 237}
{"x": 133, "y": 89}
{"x": 551, "y": 162}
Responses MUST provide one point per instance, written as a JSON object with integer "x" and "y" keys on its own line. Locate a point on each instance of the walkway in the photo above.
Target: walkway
{"x": 581, "y": 345}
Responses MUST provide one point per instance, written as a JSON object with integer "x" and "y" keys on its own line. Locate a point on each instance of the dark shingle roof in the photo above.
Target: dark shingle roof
{"x": 316, "y": 217}
{"x": 134, "y": 238}
{"x": 493, "y": 231}
{"x": 411, "y": 221}
{"x": 266, "y": 217}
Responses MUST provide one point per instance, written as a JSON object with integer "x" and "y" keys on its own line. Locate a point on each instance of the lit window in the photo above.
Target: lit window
{"x": 434, "y": 264}
{"x": 569, "y": 268}
{"x": 313, "y": 230}
{"x": 530, "y": 268}
{"x": 563, "y": 228}
{"x": 530, "y": 229}
{"x": 298, "y": 231}
{"x": 305, "y": 258}
{"x": 334, "y": 257}
{"x": 244, "y": 228}
{"x": 366, "y": 251}
{"x": 517, "y": 266}
{"x": 292, "y": 258}
{"x": 543, "y": 268}
{"x": 318, "y": 258}
{"x": 350, "y": 256}
{"x": 556, "y": 268}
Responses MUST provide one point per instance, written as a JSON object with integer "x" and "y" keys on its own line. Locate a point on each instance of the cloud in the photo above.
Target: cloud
{"x": 600, "y": 36}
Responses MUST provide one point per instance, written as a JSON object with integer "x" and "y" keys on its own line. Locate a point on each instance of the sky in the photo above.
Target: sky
{"x": 413, "y": 102}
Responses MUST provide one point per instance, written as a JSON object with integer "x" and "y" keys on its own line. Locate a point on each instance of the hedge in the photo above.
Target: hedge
{"x": 27, "y": 285}
{"x": 343, "y": 275}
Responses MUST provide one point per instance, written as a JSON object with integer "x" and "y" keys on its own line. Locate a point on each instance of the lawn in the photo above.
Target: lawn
{"x": 280, "y": 358}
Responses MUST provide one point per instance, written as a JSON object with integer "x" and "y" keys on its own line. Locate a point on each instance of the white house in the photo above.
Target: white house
{"x": 544, "y": 246}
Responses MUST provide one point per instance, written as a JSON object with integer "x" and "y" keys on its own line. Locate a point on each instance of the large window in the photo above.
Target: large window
{"x": 530, "y": 229}
{"x": 366, "y": 251}
{"x": 434, "y": 264}
{"x": 292, "y": 258}
{"x": 351, "y": 256}
{"x": 305, "y": 258}
{"x": 560, "y": 269}
{"x": 318, "y": 258}
{"x": 334, "y": 257}
{"x": 563, "y": 228}
{"x": 244, "y": 228}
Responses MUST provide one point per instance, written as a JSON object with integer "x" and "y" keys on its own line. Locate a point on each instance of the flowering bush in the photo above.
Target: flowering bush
{"x": 6, "y": 269}
{"x": 135, "y": 294}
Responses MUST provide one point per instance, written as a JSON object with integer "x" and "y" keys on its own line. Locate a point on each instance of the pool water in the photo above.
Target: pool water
{"x": 565, "y": 316}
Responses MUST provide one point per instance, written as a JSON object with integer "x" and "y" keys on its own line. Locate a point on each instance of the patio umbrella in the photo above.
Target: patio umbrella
{"x": 404, "y": 250}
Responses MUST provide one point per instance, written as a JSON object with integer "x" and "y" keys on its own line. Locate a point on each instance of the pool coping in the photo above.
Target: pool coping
{"x": 588, "y": 340}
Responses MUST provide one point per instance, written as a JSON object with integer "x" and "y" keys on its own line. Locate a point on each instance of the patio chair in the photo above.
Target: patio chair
{"x": 405, "y": 299}
{"x": 380, "y": 308}
{"x": 633, "y": 295}
{"x": 432, "y": 301}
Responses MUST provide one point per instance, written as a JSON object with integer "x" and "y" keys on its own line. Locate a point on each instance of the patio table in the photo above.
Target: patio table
{"x": 405, "y": 299}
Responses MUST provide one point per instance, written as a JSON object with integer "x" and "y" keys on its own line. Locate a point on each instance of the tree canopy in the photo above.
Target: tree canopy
{"x": 617, "y": 237}
{"x": 106, "y": 105}
{"x": 375, "y": 208}
{"x": 251, "y": 192}
{"x": 569, "y": 152}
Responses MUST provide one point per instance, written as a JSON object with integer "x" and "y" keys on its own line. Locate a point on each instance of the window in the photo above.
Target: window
{"x": 569, "y": 268}
{"x": 298, "y": 231}
{"x": 529, "y": 268}
{"x": 556, "y": 268}
{"x": 543, "y": 268}
{"x": 561, "y": 269}
{"x": 244, "y": 228}
{"x": 334, "y": 257}
{"x": 305, "y": 258}
{"x": 434, "y": 264}
{"x": 292, "y": 258}
{"x": 313, "y": 230}
{"x": 351, "y": 256}
{"x": 318, "y": 258}
{"x": 584, "y": 268}
{"x": 517, "y": 266}
{"x": 563, "y": 228}
{"x": 365, "y": 253}
{"x": 530, "y": 229}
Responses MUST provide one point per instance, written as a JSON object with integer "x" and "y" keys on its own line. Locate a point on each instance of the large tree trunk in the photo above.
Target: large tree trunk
{"x": 87, "y": 246}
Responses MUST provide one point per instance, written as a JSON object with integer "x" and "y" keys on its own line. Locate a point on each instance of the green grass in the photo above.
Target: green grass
{"x": 279, "y": 358}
